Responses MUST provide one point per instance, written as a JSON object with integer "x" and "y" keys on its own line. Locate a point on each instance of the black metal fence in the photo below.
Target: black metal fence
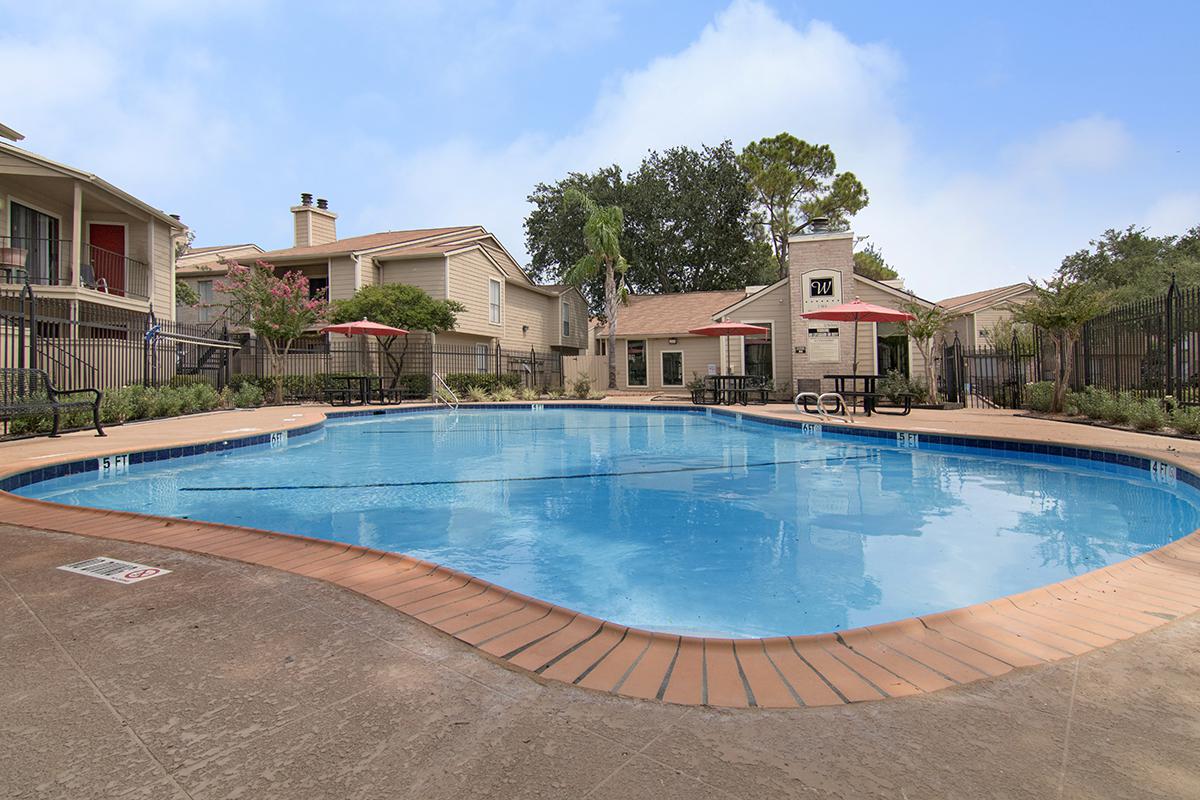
{"x": 1150, "y": 348}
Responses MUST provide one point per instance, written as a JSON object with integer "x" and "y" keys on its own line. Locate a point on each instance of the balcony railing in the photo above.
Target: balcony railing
{"x": 47, "y": 262}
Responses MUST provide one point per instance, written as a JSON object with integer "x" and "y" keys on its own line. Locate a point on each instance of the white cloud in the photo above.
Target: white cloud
{"x": 751, "y": 74}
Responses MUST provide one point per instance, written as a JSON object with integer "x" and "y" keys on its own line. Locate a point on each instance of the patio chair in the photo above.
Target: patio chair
{"x": 87, "y": 277}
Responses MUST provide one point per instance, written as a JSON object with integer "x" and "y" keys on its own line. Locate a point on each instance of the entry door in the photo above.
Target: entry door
{"x": 107, "y": 251}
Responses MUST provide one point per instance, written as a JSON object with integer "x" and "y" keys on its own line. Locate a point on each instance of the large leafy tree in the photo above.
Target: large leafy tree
{"x": 1129, "y": 264}
{"x": 278, "y": 309}
{"x": 928, "y": 323}
{"x": 869, "y": 263}
{"x": 688, "y": 224}
{"x": 794, "y": 181}
{"x": 602, "y": 237}
{"x": 400, "y": 306}
{"x": 1061, "y": 307}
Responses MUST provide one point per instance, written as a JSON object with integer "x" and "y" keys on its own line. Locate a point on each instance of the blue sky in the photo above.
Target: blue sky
{"x": 993, "y": 139}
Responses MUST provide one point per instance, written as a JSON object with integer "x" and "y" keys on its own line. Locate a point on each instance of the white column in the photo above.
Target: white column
{"x": 76, "y": 233}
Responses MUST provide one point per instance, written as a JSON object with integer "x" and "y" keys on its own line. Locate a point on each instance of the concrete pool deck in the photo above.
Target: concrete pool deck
{"x": 185, "y": 669}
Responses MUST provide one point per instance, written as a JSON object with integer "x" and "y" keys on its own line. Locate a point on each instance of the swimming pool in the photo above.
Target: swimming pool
{"x": 677, "y": 520}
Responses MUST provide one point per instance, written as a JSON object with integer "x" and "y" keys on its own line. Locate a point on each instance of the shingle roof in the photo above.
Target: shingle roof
{"x": 370, "y": 241}
{"x": 977, "y": 301}
{"x": 664, "y": 314}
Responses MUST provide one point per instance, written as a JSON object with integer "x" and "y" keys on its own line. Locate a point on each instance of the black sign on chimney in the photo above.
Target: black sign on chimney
{"x": 322, "y": 204}
{"x": 306, "y": 198}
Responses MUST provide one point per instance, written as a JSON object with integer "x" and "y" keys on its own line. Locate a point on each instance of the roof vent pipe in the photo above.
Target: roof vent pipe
{"x": 306, "y": 198}
{"x": 322, "y": 204}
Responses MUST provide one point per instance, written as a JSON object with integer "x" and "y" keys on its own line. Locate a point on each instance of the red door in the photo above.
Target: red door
{"x": 107, "y": 251}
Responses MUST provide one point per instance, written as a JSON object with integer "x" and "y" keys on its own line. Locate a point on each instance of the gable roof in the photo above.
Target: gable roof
{"x": 978, "y": 301}
{"x": 901, "y": 294}
{"x": 670, "y": 314}
{"x": 95, "y": 180}
{"x": 377, "y": 241}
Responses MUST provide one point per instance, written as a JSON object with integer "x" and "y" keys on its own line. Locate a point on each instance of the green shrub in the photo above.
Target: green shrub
{"x": 504, "y": 394}
{"x": 248, "y": 396}
{"x": 1186, "y": 420}
{"x": 463, "y": 382}
{"x": 225, "y": 399}
{"x": 186, "y": 380}
{"x": 557, "y": 393}
{"x": 477, "y": 394}
{"x": 1038, "y": 396}
{"x": 1120, "y": 408}
{"x": 895, "y": 385}
{"x": 116, "y": 406}
{"x": 529, "y": 394}
{"x": 1148, "y": 415}
{"x": 1091, "y": 402}
{"x": 582, "y": 387}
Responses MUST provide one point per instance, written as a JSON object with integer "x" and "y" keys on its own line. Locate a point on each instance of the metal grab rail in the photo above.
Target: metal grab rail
{"x": 819, "y": 400}
{"x": 438, "y": 386}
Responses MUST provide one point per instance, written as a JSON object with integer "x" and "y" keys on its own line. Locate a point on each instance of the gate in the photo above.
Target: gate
{"x": 991, "y": 377}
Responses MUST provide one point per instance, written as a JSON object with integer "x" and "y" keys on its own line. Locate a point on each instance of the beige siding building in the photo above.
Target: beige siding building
{"x": 466, "y": 264}
{"x": 77, "y": 238}
{"x": 979, "y": 313}
{"x": 656, "y": 353}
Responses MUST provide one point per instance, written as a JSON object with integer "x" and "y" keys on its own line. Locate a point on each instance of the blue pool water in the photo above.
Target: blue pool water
{"x": 675, "y": 521}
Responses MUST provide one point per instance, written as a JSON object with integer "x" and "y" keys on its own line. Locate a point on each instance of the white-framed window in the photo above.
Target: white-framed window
{"x": 601, "y": 346}
{"x": 481, "y": 358}
{"x": 566, "y": 316}
{"x": 672, "y": 367}
{"x": 635, "y": 362}
{"x": 493, "y": 301}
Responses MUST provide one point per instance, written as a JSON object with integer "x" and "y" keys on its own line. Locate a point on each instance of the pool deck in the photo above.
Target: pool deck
{"x": 267, "y": 672}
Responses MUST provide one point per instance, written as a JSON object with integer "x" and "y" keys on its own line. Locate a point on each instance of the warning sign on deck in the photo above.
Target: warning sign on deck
{"x": 110, "y": 569}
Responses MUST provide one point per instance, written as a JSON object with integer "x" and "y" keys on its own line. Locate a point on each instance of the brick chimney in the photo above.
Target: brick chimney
{"x": 313, "y": 225}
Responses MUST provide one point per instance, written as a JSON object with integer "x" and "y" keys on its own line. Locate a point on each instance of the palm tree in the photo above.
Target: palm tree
{"x": 602, "y": 236}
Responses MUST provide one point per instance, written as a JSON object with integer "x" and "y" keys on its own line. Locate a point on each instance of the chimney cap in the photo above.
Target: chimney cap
{"x": 818, "y": 225}
{"x": 322, "y": 204}
{"x": 306, "y": 198}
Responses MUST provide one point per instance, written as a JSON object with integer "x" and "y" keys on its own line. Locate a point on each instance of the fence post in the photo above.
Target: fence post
{"x": 497, "y": 359}
{"x": 432, "y": 367}
{"x": 1018, "y": 373}
{"x": 1170, "y": 355}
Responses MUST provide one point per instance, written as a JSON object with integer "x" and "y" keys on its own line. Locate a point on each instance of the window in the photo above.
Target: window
{"x": 672, "y": 368}
{"x": 566, "y": 315}
{"x": 318, "y": 286}
{"x": 759, "y": 353}
{"x": 204, "y": 290}
{"x": 635, "y": 366}
{"x": 493, "y": 301}
{"x": 481, "y": 358}
{"x": 601, "y": 346}
{"x": 37, "y": 234}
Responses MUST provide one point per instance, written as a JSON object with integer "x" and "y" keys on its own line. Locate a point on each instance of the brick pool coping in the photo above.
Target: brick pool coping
{"x": 895, "y": 659}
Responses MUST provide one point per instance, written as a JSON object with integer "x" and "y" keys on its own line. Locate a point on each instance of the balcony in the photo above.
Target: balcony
{"x": 47, "y": 262}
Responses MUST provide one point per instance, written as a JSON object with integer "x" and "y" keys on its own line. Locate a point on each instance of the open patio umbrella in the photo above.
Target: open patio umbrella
{"x": 364, "y": 327}
{"x": 857, "y": 311}
{"x": 381, "y": 332}
{"x": 729, "y": 329}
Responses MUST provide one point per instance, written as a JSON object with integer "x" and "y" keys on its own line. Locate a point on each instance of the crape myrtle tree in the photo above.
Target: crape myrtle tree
{"x": 278, "y": 309}
{"x": 1060, "y": 308}
{"x": 793, "y": 182}
{"x": 602, "y": 238}
{"x": 400, "y": 306}
{"x": 928, "y": 323}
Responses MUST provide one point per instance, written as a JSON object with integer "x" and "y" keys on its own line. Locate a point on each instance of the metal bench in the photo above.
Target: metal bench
{"x": 29, "y": 391}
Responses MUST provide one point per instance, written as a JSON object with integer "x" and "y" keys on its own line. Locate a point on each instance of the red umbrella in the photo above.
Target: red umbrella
{"x": 364, "y": 328}
{"x": 857, "y": 311}
{"x": 729, "y": 329}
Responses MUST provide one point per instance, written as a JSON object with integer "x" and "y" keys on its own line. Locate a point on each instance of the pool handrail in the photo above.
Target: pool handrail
{"x": 819, "y": 400}
{"x": 439, "y": 384}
